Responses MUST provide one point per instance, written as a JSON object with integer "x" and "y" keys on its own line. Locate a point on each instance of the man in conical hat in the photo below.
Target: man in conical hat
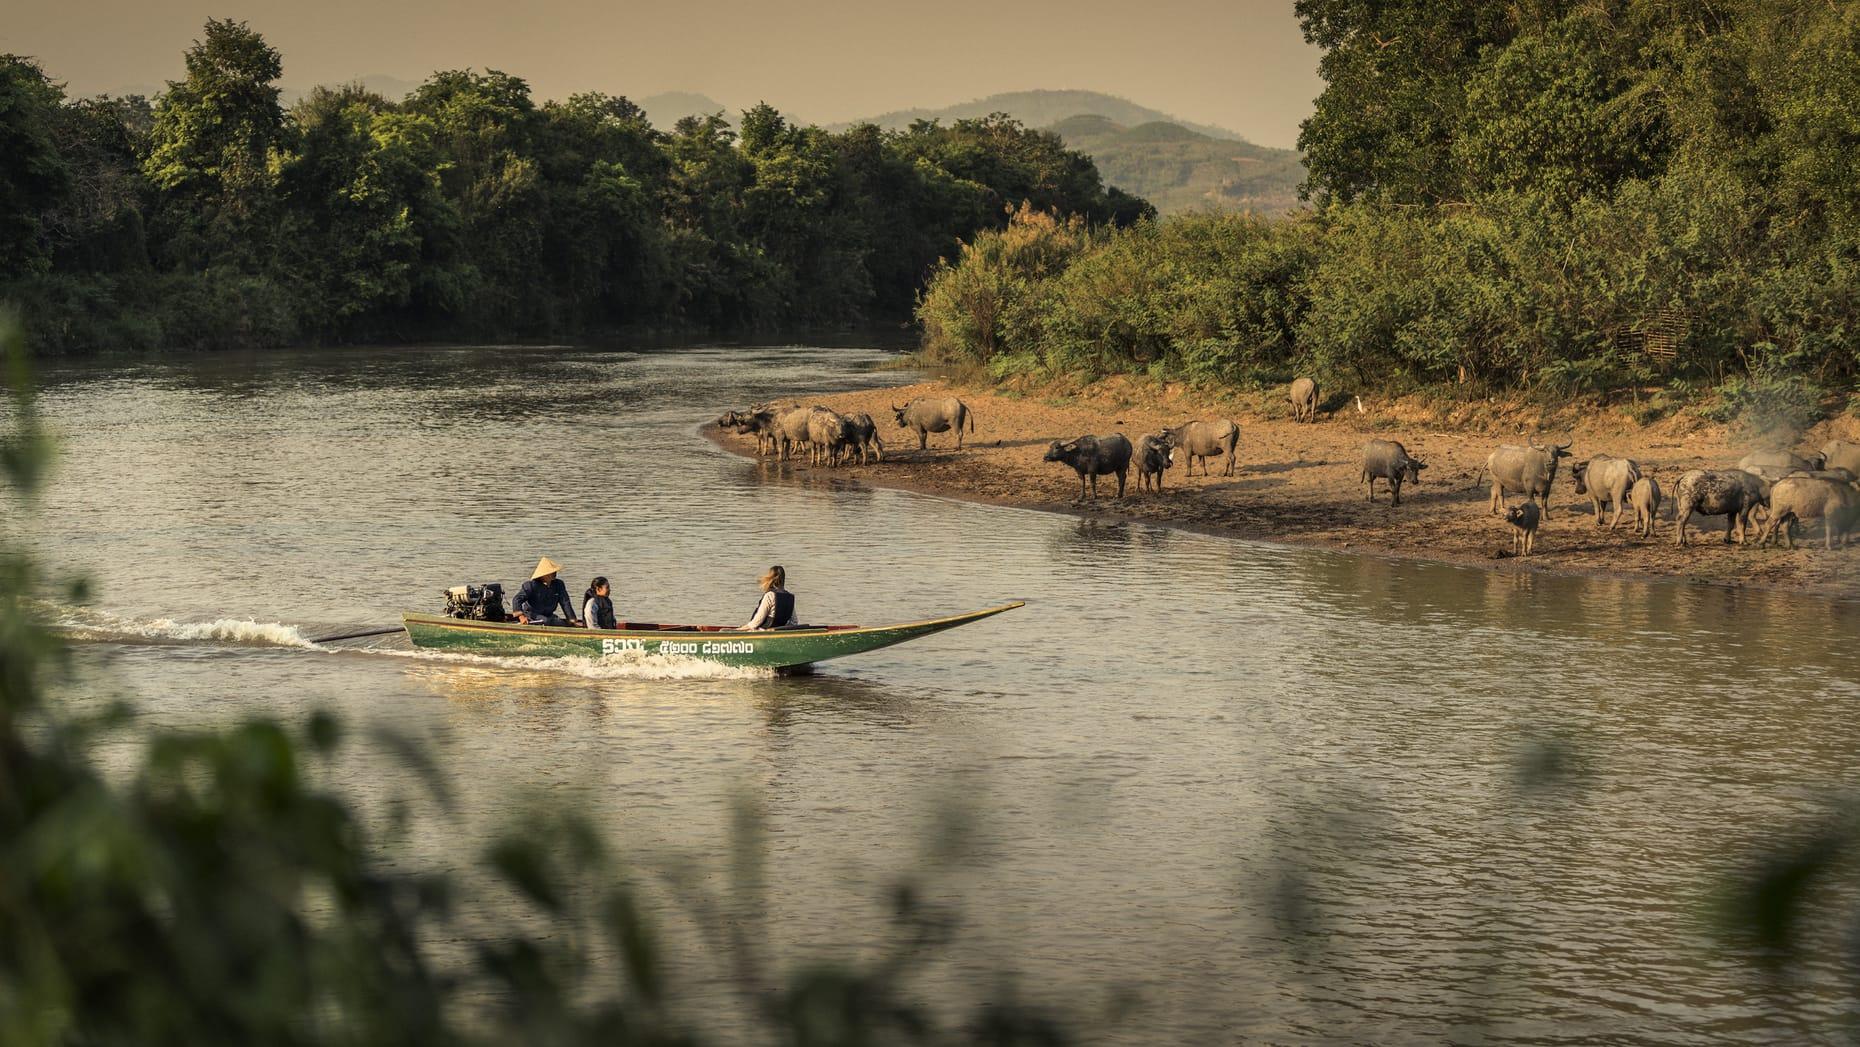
{"x": 543, "y": 600}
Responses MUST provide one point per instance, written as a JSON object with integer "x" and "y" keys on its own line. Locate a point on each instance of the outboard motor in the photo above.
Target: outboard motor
{"x": 479, "y": 603}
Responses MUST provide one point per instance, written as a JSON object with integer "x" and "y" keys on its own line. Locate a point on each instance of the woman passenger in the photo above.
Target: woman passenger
{"x": 777, "y": 607}
{"x": 597, "y": 608}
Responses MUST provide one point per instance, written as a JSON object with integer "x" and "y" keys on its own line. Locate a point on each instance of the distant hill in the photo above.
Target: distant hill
{"x": 669, "y": 107}
{"x": 1045, "y": 108}
{"x": 1179, "y": 169}
{"x": 1175, "y": 164}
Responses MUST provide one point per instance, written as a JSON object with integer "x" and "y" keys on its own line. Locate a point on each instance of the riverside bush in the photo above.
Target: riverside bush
{"x": 1508, "y": 294}
{"x": 1571, "y": 201}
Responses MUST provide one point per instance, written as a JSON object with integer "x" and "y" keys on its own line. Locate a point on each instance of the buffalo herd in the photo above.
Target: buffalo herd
{"x": 1776, "y": 491}
{"x": 830, "y": 438}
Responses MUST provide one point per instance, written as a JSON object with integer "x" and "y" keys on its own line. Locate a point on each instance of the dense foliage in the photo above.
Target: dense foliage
{"x": 213, "y": 215}
{"x": 1531, "y": 194}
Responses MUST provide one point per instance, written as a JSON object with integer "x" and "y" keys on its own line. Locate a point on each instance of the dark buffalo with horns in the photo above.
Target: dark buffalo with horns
{"x": 759, "y": 421}
{"x": 1094, "y": 456}
{"x": 1731, "y": 493}
{"x": 864, "y": 434}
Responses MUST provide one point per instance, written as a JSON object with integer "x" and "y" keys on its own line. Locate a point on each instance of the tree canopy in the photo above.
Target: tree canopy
{"x": 1523, "y": 194}
{"x": 216, "y": 216}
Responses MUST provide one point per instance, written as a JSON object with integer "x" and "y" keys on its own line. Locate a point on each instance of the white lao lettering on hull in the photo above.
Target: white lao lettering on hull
{"x": 618, "y": 645}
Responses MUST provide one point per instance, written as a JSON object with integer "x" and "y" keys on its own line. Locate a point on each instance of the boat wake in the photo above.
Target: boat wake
{"x": 94, "y": 626}
{"x": 104, "y": 627}
{"x": 621, "y": 665}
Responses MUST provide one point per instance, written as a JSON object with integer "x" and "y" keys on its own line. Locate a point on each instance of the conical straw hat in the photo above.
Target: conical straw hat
{"x": 546, "y": 566}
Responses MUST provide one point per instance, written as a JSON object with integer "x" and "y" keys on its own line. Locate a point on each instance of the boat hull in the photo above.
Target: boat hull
{"x": 754, "y": 648}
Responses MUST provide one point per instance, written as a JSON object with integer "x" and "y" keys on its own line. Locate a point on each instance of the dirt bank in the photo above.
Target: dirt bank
{"x": 1298, "y": 483}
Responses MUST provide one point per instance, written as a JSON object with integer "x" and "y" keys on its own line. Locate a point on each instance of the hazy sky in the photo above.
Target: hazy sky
{"x": 1237, "y": 63}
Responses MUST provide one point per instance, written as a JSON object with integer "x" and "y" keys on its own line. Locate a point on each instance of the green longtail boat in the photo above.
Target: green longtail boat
{"x": 751, "y": 648}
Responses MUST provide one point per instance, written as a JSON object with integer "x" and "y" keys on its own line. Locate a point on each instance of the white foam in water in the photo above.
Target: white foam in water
{"x": 621, "y": 665}
{"x": 102, "y": 625}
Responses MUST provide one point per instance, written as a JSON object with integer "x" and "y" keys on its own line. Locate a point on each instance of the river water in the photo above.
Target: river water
{"x": 1261, "y": 792}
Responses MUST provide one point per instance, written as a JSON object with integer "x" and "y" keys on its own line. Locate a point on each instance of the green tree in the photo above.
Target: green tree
{"x": 1816, "y": 119}
{"x": 101, "y": 226}
{"x": 1393, "y": 94}
{"x": 605, "y": 170}
{"x": 215, "y": 218}
{"x": 1015, "y": 165}
{"x": 1555, "y": 115}
{"x": 800, "y": 212}
{"x": 907, "y": 212}
{"x": 987, "y": 307}
{"x": 360, "y": 194}
{"x": 723, "y": 278}
{"x": 485, "y": 126}
{"x": 34, "y": 177}
{"x": 211, "y": 149}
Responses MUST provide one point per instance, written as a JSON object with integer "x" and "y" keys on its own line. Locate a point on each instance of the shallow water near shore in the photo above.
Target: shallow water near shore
{"x": 1277, "y": 793}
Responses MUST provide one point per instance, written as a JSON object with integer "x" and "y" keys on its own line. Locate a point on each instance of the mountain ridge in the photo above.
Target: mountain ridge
{"x": 1178, "y": 169}
{"x": 1045, "y": 107}
{"x": 666, "y": 108}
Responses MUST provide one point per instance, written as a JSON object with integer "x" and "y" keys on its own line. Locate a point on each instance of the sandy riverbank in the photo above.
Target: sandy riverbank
{"x": 1298, "y": 483}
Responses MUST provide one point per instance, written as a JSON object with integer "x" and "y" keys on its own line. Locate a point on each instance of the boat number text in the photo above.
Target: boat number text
{"x": 620, "y": 645}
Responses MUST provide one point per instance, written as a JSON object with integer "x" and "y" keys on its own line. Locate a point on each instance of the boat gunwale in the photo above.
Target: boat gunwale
{"x": 807, "y": 632}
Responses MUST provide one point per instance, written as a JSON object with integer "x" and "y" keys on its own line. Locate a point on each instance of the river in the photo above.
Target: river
{"x": 1269, "y": 793}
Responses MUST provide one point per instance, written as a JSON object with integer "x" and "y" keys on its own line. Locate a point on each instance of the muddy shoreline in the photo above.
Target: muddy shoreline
{"x": 1297, "y": 483}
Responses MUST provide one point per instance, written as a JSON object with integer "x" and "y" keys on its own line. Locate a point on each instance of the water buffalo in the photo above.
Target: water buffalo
{"x": 1834, "y": 473}
{"x": 827, "y": 436}
{"x": 1205, "y": 440}
{"x": 1524, "y": 519}
{"x": 1094, "y": 456}
{"x": 1841, "y": 454}
{"x": 1390, "y": 461}
{"x": 1774, "y": 465}
{"x": 1153, "y": 456}
{"x": 1605, "y": 478}
{"x": 935, "y": 416}
{"x": 1645, "y": 498}
{"x": 1731, "y": 493}
{"x": 864, "y": 433}
{"x": 1804, "y": 498}
{"x": 1529, "y": 471}
{"x": 757, "y": 420}
{"x": 1304, "y": 397}
{"x": 791, "y": 429}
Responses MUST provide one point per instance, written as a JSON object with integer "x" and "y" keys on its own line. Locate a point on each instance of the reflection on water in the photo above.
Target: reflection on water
{"x": 1278, "y": 793}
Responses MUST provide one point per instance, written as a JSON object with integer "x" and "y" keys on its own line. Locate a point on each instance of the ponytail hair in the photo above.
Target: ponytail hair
{"x": 593, "y": 585}
{"x": 774, "y": 578}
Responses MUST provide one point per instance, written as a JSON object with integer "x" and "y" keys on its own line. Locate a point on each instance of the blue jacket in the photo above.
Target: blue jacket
{"x": 537, "y": 600}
